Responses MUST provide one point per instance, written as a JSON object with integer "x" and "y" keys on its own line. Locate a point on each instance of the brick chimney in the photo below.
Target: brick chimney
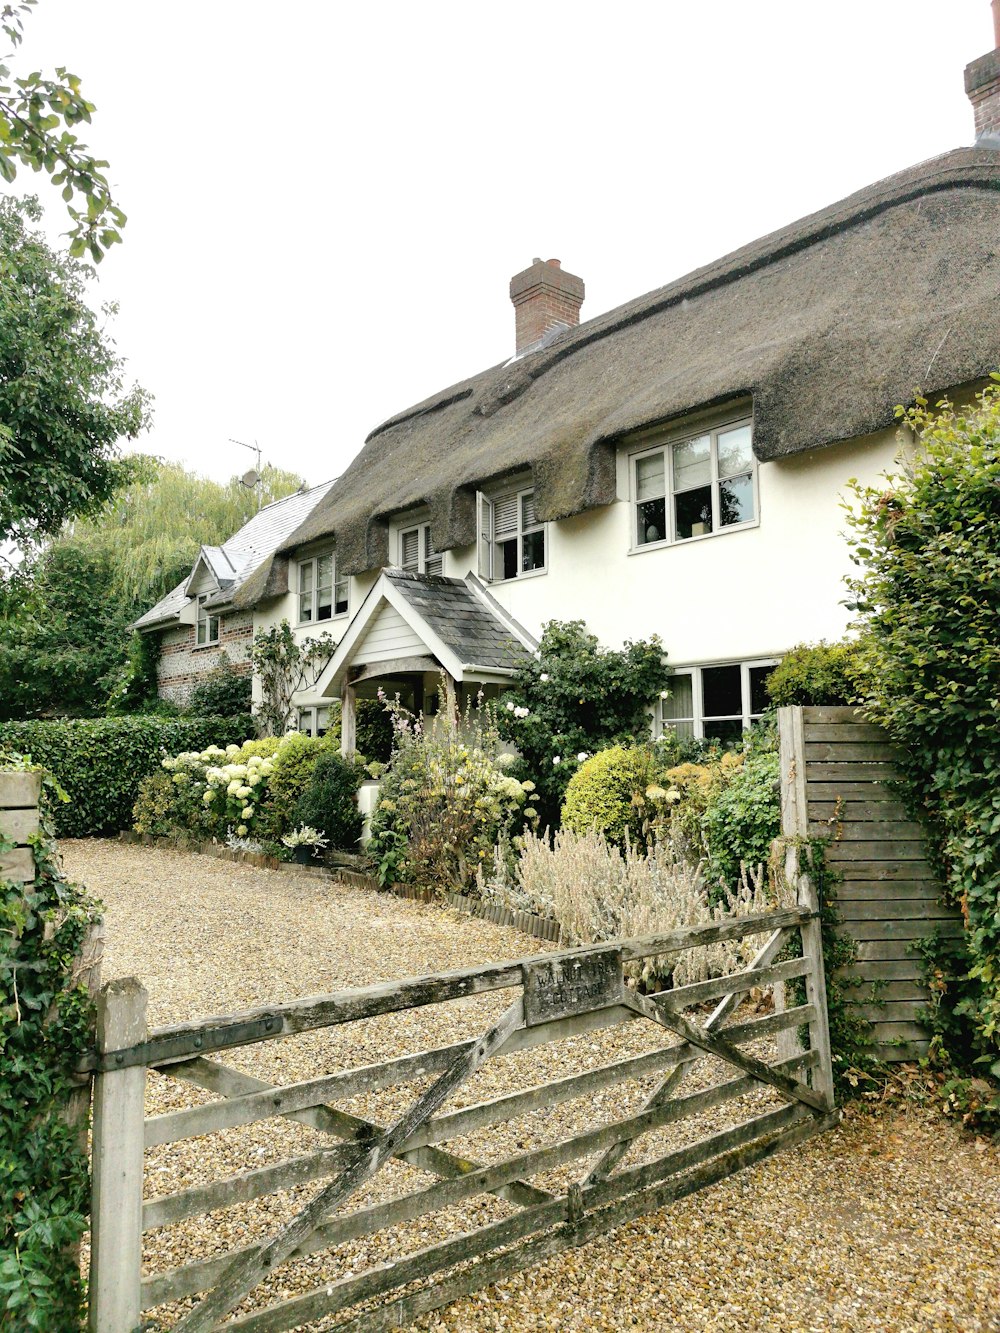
{"x": 982, "y": 83}
{"x": 545, "y": 298}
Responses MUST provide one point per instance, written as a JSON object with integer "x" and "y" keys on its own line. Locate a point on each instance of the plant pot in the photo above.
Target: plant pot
{"x": 302, "y": 856}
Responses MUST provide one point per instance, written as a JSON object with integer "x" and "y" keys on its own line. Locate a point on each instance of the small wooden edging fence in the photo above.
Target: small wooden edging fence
{"x": 562, "y": 1193}
{"x": 839, "y": 783}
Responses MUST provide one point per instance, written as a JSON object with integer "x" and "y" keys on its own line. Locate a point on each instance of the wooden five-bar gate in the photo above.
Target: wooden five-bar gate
{"x": 624, "y": 1158}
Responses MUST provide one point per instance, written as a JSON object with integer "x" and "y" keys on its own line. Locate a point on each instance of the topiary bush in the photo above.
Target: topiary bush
{"x": 101, "y": 762}
{"x": 818, "y": 674}
{"x": 329, "y": 802}
{"x": 608, "y": 794}
{"x": 293, "y": 764}
{"x": 373, "y": 736}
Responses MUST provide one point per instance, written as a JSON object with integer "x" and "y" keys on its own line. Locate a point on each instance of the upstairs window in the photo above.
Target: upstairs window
{"x": 322, "y": 595}
{"x": 206, "y": 625}
{"x": 416, "y": 551}
{"x": 692, "y": 487}
{"x": 511, "y": 539}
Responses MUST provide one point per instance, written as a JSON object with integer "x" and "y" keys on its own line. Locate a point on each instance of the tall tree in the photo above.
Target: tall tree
{"x": 65, "y": 612}
{"x": 63, "y": 400}
{"x": 38, "y": 120}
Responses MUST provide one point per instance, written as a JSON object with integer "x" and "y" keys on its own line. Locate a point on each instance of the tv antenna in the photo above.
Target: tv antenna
{"x": 251, "y": 479}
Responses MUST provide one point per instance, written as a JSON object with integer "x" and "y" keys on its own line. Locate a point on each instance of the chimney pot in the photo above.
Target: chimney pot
{"x": 545, "y": 297}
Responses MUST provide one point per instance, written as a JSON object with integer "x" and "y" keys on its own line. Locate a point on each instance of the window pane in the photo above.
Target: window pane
{"x": 682, "y": 728}
{"x": 410, "y": 549}
{"x": 692, "y": 463}
{"x": 324, "y": 571}
{"x": 324, "y": 603}
{"x": 649, "y": 477}
{"x": 534, "y": 550}
{"x": 723, "y": 730}
{"x": 340, "y": 597}
{"x": 306, "y": 576}
{"x": 322, "y": 721}
{"x": 652, "y": 524}
{"x": 735, "y": 454}
{"x": 693, "y": 513}
{"x": 305, "y": 606}
{"x": 758, "y": 694}
{"x": 213, "y": 629}
{"x": 722, "y": 692}
{"x": 200, "y": 637}
{"x": 434, "y": 565}
{"x": 735, "y": 501}
{"x": 507, "y": 558}
{"x": 528, "y": 519}
{"x": 681, "y": 700}
{"x": 305, "y": 721}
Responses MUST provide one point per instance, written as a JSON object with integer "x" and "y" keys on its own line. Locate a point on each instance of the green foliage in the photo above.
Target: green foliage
{"x": 45, "y": 1022}
{"x": 743, "y": 817}
{"x": 101, "y": 763}
{"x": 283, "y": 666}
{"x": 373, "y": 735}
{"x": 62, "y": 400}
{"x": 329, "y": 803}
{"x": 39, "y": 118}
{"x": 607, "y": 794}
{"x": 65, "y": 644}
{"x": 820, "y": 674}
{"x": 294, "y": 761}
{"x": 224, "y": 692}
{"x": 576, "y": 697}
{"x": 445, "y": 800}
{"x": 928, "y": 550}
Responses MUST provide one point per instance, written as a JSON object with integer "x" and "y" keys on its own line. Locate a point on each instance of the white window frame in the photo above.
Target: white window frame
{"x": 426, "y": 554}
{"x": 338, "y": 583}
{"x": 487, "y": 535}
{"x": 310, "y": 719}
{"x": 698, "y": 719}
{"x": 204, "y": 622}
{"x": 664, "y": 445}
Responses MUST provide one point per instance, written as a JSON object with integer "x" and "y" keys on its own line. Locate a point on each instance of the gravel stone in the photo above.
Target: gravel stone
{"x": 890, "y": 1222}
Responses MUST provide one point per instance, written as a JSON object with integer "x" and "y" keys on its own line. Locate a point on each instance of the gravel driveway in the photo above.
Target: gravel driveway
{"x": 889, "y": 1223}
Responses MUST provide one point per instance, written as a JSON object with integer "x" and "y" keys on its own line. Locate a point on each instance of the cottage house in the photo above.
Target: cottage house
{"x": 211, "y": 611}
{"x": 677, "y": 465}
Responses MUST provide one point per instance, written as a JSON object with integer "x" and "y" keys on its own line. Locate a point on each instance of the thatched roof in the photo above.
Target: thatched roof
{"x": 826, "y": 325}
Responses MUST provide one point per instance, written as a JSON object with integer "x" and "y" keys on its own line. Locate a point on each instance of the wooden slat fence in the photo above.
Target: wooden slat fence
{"x": 838, "y": 776}
{"x": 554, "y": 1190}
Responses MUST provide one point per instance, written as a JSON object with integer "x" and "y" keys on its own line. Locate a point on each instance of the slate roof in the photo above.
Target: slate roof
{"x": 465, "y": 618}
{"x": 242, "y": 566}
{"x": 825, "y": 326}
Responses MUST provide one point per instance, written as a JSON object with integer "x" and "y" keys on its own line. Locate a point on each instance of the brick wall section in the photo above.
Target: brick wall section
{"x": 543, "y": 296}
{"x": 182, "y": 666}
{"x": 982, "y": 84}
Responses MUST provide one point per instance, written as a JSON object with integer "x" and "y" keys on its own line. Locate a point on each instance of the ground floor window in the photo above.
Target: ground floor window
{"x": 314, "y": 721}
{"x": 716, "y": 702}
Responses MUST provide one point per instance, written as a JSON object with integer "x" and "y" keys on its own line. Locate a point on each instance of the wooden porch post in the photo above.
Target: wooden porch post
{"x": 450, "y": 697}
{"x": 348, "y": 719}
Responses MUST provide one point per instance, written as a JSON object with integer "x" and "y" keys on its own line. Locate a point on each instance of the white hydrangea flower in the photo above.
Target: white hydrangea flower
{"x": 582, "y": 756}
{"x": 544, "y": 677}
{"x": 556, "y": 760}
{"x": 247, "y": 812}
{"x": 209, "y": 796}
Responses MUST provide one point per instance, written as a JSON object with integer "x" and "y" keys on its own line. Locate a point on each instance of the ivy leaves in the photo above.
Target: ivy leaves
{"x": 38, "y": 121}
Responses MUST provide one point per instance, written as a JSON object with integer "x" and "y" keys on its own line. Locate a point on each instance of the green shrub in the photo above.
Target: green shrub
{"x": 373, "y": 737}
{"x": 575, "y": 697}
{"x": 155, "y": 809}
{"x": 294, "y": 761}
{"x": 101, "y": 763}
{"x": 329, "y": 802}
{"x": 928, "y": 546}
{"x": 45, "y": 1028}
{"x": 818, "y": 674}
{"x": 265, "y": 747}
{"x": 742, "y": 819}
{"x": 607, "y": 794}
{"x": 224, "y": 692}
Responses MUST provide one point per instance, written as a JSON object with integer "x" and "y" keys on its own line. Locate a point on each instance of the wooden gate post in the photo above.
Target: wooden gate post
{"x": 795, "y": 828}
{"x": 116, "y": 1207}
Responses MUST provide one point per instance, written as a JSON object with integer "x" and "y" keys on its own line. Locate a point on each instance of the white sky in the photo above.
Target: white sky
{"x": 326, "y": 200}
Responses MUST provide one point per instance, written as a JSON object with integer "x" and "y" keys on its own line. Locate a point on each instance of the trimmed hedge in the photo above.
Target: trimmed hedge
{"x": 101, "y": 762}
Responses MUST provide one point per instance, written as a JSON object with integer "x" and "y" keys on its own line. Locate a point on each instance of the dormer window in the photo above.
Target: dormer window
{"x": 206, "y": 625}
{"x": 416, "y": 551}
{"x": 511, "y": 539}
{"x": 695, "y": 485}
{"x": 322, "y": 595}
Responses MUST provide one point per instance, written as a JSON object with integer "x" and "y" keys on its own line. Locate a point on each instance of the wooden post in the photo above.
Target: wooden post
{"x": 86, "y": 971}
{"x": 450, "y": 698}
{"x": 116, "y": 1207}
{"x": 348, "y": 720}
{"x": 794, "y": 827}
{"x": 19, "y": 793}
